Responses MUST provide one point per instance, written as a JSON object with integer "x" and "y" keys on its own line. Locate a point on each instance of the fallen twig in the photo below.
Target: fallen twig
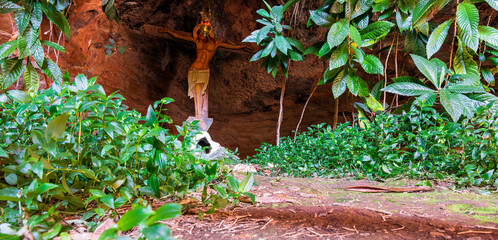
{"x": 472, "y": 231}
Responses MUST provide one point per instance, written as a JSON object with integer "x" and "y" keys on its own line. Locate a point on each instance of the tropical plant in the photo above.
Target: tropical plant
{"x": 421, "y": 144}
{"x": 28, "y": 42}
{"x": 278, "y": 50}
{"x": 459, "y": 94}
{"x": 147, "y": 221}
{"x": 73, "y": 142}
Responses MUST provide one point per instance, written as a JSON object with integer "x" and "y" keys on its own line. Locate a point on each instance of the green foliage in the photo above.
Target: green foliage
{"x": 453, "y": 91}
{"x": 74, "y": 142}
{"x": 420, "y": 144}
{"x": 147, "y": 221}
{"x": 28, "y": 16}
{"x": 277, "y": 50}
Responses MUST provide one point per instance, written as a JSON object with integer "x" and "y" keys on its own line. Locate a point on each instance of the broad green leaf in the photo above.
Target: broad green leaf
{"x": 36, "y": 15}
{"x": 282, "y": 44}
{"x": 469, "y": 106}
{"x": 493, "y": 4}
{"x": 324, "y": 50}
{"x": 7, "y": 7}
{"x": 339, "y": 57}
{"x": 252, "y": 37}
{"x": 110, "y": 10}
{"x": 153, "y": 183}
{"x": 234, "y": 183}
{"x": 156, "y": 232}
{"x": 12, "y": 69}
{"x": 246, "y": 184}
{"x": 3, "y": 153}
{"x": 371, "y": 64}
{"x": 467, "y": 17}
{"x": 408, "y": 89}
{"x": 268, "y": 49}
{"x": 355, "y": 36}
{"x": 437, "y": 38}
{"x": 328, "y": 75}
{"x": 109, "y": 234}
{"x": 22, "y": 21}
{"x": 9, "y": 194}
{"x": 451, "y": 104}
{"x": 263, "y": 33}
{"x": 7, "y": 48}
{"x": 376, "y": 30}
{"x": 256, "y": 56}
{"x": 108, "y": 200}
{"x": 460, "y": 88}
{"x": 134, "y": 217}
{"x": 52, "y": 70}
{"x": 167, "y": 211}
{"x": 11, "y": 179}
{"x": 427, "y": 68}
{"x": 56, "y": 127}
{"x": 96, "y": 192}
{"x": 339, "y": 84}
{"x": 38, "y": 54}
{"x": 53, "y": 232}
{"x": 488, "y": 76}
{"x": 423, "y": 10}
{"x": 362, "y": 6}
{"x": 31, "y": 36}
{"x": 353, "y": 82}
{"x": 53, "y": 45}
{"x": 57, "y": 18}
{"x": 359, "y": 55}
{"x": 19, "y": 96}
{"x": 296, "y": 43}
{"x": 373, "y": 104}
{"x": 321, "y": 18}
{"x": 463, "y": 62}
{"x": 337, "y": 33}
{"x": 151, "y": 116}
{"x": 263, "y": 13}
{"x": 294, "y": 56}
{"x": 31, "y": 80}
{"x": 488, "y": 34}
{"x": 376, "y": 90}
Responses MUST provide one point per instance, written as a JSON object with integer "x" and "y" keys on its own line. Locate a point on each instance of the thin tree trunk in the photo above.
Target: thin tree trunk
{"x": 281, "y": 112}
{"x": 336, "y": 115}
{"x": 304, "y": 109}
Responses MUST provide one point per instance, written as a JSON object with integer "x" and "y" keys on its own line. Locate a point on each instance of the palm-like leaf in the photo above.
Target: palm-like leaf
{"x": 338, "y": 32}
{"x": 437, "y": 38}
{"x": 371, "y": 64}
{"x": 408, "y": 89}
{"x": 467, "y": 17}
{"x": 427, "y": 68}
{"x": 463, "y": 62}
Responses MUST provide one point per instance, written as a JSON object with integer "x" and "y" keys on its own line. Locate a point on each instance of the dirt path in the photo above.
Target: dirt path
{"x": 294, "y": 208}
{"x": 317, "y": 208}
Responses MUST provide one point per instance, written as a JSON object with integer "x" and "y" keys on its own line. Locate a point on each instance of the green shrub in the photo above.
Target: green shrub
{"x": 73, "y": 142}
{"x": 421, "y": 144}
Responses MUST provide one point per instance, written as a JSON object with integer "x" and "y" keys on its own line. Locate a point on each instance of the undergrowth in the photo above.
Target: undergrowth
{"x": 421, "y": 144}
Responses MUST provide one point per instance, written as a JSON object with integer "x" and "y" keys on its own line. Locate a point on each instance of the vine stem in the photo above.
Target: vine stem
{"x": 453, "y": 40}
{"x": 385, "y": 68}
{"x": 304, "y": 109}
{"x": 281, "y": 111}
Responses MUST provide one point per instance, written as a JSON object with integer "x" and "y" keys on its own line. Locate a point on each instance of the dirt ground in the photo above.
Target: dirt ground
{"x": 317, "y": 208}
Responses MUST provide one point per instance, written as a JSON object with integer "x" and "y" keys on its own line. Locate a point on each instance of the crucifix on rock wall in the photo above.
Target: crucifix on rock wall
{"x": 198, "y": 74}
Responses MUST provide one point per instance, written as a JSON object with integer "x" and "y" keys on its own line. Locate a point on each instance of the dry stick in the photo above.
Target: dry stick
{"x": 281, "y": 111}
{"x": 304, "y": 109}
{"x": 385, "y": 69}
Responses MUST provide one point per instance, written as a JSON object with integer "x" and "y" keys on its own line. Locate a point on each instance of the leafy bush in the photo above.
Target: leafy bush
{"x": 420, "y": 144}
{"x": 73, "y": 142}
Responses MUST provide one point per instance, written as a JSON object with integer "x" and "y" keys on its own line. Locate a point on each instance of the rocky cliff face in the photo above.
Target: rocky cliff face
{"x": 243, "y": 98}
